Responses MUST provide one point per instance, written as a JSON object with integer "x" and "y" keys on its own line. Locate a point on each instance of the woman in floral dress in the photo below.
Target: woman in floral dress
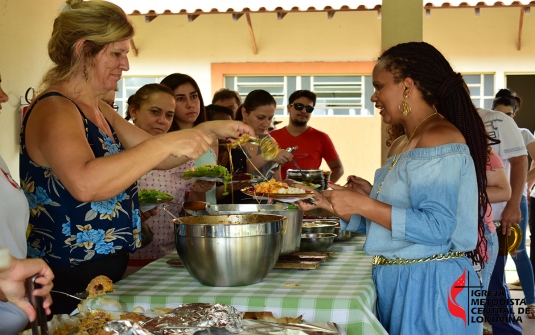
{"x": 80, "y": 160}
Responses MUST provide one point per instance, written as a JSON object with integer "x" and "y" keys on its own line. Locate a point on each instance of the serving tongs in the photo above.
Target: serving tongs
{"x": 39, "y": 325}
{"x": 268, "y": 145}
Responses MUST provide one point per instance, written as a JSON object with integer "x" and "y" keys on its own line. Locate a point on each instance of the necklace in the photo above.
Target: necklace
{"x": 397, "y": 156}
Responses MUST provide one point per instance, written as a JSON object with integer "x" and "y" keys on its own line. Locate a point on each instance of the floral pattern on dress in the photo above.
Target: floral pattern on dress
{"x": 37, "y": 198}
{"x": 136, "y": 224}
{"x": 108, "y": 209}
{"x": 108, "y": 145}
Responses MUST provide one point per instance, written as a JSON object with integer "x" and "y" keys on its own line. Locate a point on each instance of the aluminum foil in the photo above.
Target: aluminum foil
{"x": 250, "y": 327}
{"x": 189, "y": 318}
{"x": 206, "y": 319}
{"x": 125, "y": 327}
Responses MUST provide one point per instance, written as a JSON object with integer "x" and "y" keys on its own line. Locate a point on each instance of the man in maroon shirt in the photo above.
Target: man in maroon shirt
{"x": 313, "y": 145}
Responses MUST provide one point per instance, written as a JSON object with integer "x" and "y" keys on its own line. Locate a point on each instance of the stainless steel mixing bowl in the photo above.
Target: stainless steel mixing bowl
{"x": 291, "y": 238}
{"x": 316, "y": 242}
{"x": 229, "y": 250}
{"x": 342, "y": 235}
{"x": 318, "y": 227}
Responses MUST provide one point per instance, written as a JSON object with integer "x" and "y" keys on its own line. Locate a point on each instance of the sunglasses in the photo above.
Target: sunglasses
{"x": 300, "y": 107}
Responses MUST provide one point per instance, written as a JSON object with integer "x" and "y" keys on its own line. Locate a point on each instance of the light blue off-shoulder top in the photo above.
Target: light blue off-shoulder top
{"x": 434, "y": 198}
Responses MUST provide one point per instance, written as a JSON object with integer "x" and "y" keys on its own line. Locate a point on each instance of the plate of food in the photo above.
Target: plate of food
{"x": 276, "y": 190}
{"x": 307, "y": 184}
{"x": 150, "y": 198}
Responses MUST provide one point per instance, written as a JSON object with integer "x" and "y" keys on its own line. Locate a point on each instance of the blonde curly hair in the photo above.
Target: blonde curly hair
{"x": 98, "y": 23}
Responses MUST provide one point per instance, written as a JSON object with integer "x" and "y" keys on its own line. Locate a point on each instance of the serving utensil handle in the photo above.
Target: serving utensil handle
{"x": 39, "y": 325}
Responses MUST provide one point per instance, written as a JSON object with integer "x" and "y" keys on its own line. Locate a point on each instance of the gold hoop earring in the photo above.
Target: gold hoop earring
{"x": 134, "y": 120}
{"x": 404, "y": 107}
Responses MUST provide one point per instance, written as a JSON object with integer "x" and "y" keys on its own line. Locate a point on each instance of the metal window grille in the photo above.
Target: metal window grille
{"x": 336, "y": 95}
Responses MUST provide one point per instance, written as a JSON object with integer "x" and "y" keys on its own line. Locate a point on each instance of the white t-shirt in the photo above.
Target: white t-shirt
{"x": 14, "y": 214}
{"x": 502, "y": 127}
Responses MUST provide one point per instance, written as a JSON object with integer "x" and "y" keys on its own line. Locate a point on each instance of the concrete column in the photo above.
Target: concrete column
{"x": 401, "y": 21}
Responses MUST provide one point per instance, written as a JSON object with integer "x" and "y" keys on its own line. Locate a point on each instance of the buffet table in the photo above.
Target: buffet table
{"x": 341, "y": 290}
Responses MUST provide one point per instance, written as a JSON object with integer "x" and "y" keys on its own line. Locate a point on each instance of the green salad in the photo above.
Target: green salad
{"x": 210, "y": 171}
{"x": 207, "y": 170}
{"x": 153, "y": 196}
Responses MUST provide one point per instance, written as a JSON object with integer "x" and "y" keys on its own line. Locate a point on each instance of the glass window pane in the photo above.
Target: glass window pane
{"x": 472, "y": 79}
{"x": 475, "y": 91}
{"x": 130, "y": 91}
{"x": 368, "y": 91}
{"x": 262, "y": 79}
{"x": 337, "y": 79}
{"x": 476, "y": 102}
{"x": 341, "y": 112}
{"x": 306, "y": 83}
{"x": 337, "y": 89}
{"x": 229, "y": 82}
{"x": 320, "y": 111}
{"x": 119, "y": 93}
{"x": 139, "y": 81}
{"x": 487, "y": 103}
{"x": 291, "y": 85}
{"x": 278, "y": 90}
{"x": 489, "y": 84}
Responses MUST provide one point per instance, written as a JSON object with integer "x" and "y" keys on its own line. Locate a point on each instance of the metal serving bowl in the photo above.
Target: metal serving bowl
{"x": 342, "y": 235}
{"x": 292, "y": 229}
{"x": 229, "y": 250}
{"x": 318, "y": 227}
{"x": 316, "y": 242}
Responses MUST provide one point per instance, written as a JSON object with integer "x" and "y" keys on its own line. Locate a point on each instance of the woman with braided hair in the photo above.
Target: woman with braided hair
{"x": 424, "y": 215}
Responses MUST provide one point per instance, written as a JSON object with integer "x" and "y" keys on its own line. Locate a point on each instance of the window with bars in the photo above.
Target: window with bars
{"x": 128, "y": 86}
{"x": 481, "y": 88}
{"x": 336, "y": 95}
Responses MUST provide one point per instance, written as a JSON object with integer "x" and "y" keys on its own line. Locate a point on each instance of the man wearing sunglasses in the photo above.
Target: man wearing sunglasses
{"x": 313, "y": 145}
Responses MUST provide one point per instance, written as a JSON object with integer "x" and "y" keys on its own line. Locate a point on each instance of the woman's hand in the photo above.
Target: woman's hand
{"x": 201, "y": 186}
{"x": 231, "y": 187}
{"x": 319, "y": 201}
{"x": 192, "y": 143}
{"x": 12, "y": 283}
{"x": 360, "y": 185}
{"x": 146, "y": 215}
{"x": 283, "y": 157}
{"x": 343, "y": 200}
{"x": 225, "y": 129}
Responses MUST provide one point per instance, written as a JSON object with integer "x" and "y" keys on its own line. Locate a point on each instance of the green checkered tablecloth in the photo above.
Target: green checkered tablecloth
{"x": 341, "y": 290}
